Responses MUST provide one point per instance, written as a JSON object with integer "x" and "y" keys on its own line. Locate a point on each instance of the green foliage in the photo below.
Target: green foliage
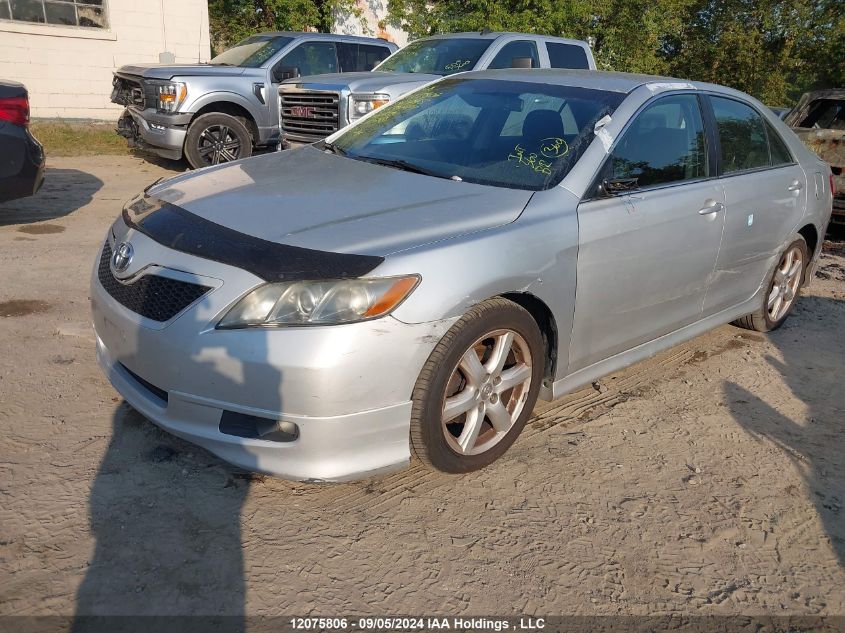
{"x": 773, "y": 49}
{"x": 233, "y": 20}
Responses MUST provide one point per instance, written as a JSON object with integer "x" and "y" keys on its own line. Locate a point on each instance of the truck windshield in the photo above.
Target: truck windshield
{"x": 436, "y": 56}
{"x": 252, "y": 52}
{"x": 514, "y": 134}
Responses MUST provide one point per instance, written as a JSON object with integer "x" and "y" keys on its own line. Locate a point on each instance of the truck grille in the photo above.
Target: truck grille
{"x": 152, "y": 296}
{"x": 128, "y": 91}
{"x": 309, "y": 116}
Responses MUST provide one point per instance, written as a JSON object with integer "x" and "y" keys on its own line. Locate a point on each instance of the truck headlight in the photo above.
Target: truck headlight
{"x": 319, "y": 302}
{"x": 171, "y": 95}
{"x": 359, "y": 105}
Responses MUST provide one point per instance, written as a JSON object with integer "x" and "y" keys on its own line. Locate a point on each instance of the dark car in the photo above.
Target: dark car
{"x": 819, "y": 121}
{"x": 21, "y": 155}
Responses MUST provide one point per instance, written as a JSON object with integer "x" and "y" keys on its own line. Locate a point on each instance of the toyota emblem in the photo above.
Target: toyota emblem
{"x": 122, "y": 257}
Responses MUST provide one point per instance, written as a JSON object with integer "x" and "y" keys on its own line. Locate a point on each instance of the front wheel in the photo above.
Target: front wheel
{"x": 783, "y": 286}
{"x": 477, "y": 388}
{"x": 216, "y": 138}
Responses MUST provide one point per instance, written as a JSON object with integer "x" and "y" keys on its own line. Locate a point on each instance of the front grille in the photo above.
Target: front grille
{"x": 131, "y": 92}
{"x": 152, "y": 296}
{"x": 309, "y": 116}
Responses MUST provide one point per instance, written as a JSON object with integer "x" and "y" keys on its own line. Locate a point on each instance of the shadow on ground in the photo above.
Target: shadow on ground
{"x": 814, "y": 442}
{"x": 64, "y": 191}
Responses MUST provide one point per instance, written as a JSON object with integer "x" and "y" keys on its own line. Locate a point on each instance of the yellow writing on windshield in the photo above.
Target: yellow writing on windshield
{"x": 457, "y": 64}
{"x": 531, "y": 160}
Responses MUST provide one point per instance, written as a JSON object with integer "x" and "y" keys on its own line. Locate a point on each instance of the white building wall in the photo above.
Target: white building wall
{"x": 371, "y": 23}
{"x": 68, "y": 70}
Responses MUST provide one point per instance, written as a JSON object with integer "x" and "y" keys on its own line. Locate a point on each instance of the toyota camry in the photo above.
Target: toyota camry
{"x": 412, "y": 284}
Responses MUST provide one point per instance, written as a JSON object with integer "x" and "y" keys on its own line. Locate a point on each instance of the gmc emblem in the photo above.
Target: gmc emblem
{"x": 305, "y": 112}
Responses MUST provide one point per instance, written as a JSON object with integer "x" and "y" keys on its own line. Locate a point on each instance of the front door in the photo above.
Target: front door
{"x": 648, "y": 242}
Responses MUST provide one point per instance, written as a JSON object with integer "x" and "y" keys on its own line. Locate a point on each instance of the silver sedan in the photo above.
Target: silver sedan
{"x": 414, "y": 283}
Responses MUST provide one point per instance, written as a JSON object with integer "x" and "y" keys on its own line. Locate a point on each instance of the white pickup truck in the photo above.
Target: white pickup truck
{"x": 312, "y": 108}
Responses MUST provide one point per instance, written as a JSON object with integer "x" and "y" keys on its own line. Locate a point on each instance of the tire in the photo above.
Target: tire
{"x": 216, "y": 138}
{"x": 771, "y": 314}
{"x": 483, "y": 331}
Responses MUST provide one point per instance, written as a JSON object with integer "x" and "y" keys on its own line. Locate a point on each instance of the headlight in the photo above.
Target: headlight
{"x": 171, "y": 95}
{"x": 359, "y": 105}
{"x": 319, "y": 302}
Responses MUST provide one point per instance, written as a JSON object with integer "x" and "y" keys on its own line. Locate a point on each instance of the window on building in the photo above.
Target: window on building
{"x": 85, "y": 13}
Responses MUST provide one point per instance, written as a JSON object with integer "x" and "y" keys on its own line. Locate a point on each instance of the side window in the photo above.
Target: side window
{"x": 347, "y": 57}
{"x": 516, "y": 50}
{"x": 369, "y": 56}
{"x": 664, "y": 144}
{"x": 742, "y": 135}
{"x": 566, "y": 56}
{"x": 779, "y": 150}
{"x": 312, "y": 58}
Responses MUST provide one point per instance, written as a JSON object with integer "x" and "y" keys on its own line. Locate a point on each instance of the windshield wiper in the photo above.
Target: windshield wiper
{"x": 398, "y": 163}
{"x": 334, "y": 149}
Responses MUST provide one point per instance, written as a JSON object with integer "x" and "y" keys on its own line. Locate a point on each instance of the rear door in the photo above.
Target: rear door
{"x": 765, "y": 194}
{"x": 646, "y": 254}
{"x": 563, "y": 55}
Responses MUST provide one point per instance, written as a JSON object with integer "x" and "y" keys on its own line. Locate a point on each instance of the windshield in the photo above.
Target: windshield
{"x": 437, "y": 56}
{"x": 512, "y": 134}
{"x": 252, "y": 52}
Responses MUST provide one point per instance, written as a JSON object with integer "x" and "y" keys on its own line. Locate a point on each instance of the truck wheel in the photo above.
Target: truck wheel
{"x": 216, "y": 138}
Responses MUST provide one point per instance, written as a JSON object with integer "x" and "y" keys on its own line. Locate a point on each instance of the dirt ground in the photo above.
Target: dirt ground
{"x": 707, "y": 480}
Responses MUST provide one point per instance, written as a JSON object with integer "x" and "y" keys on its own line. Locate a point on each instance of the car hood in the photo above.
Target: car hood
{"x": 312, "y": 199}
{"x": 371, "y": 81}
{"x": 164, "y": 71}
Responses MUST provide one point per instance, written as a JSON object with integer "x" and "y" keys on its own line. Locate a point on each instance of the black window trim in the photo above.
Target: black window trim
{"x": 592, "y": 190}
{"x": 766, "y": 126}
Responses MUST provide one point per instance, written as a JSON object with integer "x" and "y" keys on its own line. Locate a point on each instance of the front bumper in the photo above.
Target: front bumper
{"x": 347, "y": 388}
{"x": 150, "y": 131}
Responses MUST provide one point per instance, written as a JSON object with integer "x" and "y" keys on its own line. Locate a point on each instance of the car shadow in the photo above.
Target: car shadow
{"x": 63, "y": 192}
{"x": 166, "y": 516}
{"x": 815, "y": 441}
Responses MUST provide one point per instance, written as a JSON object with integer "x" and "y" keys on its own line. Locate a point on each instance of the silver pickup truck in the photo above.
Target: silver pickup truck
{"x": 220, "y": 111}
{"x": 313, "y": 108}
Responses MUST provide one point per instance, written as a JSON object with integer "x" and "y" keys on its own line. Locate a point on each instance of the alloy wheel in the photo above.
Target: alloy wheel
{"x": 218, "y": 144}
{"x": 785, "y": 284}
{"x": 486, "y": 392}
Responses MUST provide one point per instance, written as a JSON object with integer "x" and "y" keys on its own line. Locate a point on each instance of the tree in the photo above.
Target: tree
{"x": 232, "y": 20}
{"x": 773, "y": 49}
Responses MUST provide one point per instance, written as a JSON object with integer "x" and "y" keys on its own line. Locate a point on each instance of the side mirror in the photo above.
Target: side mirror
{"x": 612, "y": 186}
{"x": 280, "y": 73}
{"x": 522, "y": 62}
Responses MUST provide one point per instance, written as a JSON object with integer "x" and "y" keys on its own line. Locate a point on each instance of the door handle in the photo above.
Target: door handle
{"x": 712, "y": 208}
{"x": 795, "y": 186}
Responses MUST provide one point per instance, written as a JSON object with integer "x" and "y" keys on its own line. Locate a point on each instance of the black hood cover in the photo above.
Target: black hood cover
{"x": 181, "y": 230}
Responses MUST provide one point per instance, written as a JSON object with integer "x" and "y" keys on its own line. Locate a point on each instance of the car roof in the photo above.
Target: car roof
{"x": 595, "y": 79}
{"x": 493, "y": 35}
{"x": 325, "y": 36}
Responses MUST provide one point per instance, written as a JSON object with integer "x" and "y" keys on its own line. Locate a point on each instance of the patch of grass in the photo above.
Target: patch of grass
{"x": 62, "y": 138}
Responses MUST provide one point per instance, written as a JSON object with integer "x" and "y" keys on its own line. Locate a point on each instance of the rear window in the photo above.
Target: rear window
{"x": 566, "y": 56}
